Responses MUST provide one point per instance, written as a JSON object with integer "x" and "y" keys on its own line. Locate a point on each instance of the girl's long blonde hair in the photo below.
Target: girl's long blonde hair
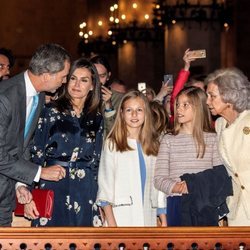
{"x": 202, "y": 118}
{"x": 119, "y": 133}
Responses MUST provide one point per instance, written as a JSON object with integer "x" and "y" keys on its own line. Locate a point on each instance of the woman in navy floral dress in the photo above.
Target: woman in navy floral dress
{"x": 70, "y": 133}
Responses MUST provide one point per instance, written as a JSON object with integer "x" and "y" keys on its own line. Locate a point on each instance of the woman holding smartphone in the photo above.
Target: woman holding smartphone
{"x": 111, "y": 99}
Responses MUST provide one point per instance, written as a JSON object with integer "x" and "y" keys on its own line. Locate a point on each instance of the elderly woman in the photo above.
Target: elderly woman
{"x": 228, "y": 92}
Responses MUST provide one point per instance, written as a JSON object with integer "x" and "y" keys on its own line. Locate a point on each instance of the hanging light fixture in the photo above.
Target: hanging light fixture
{"x": 134, "y": 24}
{"x": 209, "y": 13}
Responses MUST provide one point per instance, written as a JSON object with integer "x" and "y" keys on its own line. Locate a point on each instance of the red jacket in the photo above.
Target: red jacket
{"x": 178, "y": 86}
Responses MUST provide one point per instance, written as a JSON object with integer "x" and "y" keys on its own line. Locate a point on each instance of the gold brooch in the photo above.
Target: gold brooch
{"x": 246, "y": 130}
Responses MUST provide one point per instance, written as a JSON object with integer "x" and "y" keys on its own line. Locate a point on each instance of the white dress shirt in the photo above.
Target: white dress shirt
{"x": 30, "y": 92}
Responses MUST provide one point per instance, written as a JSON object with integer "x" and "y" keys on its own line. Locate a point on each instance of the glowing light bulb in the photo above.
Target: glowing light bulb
{"x": 123, "y": 17}
{"x": 80, "y": 33}
{"x": 112, "y": 8}
{"x": 111, "y": 19}
{"x": 116, "y": 6}
{"x": 86, "y": 35}
{"x": 109, "y": 32}
{"x": 134, "y": 5}
{"x": 146, "y": 16}
{"x": 173, "y": 21}
{"x": 90, "y": 32}
{"x": 82, "y": 25}
{"x": 100, "y": 23}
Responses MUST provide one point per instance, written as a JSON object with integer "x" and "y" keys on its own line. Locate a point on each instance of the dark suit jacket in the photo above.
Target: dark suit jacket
{"x": 14, "y": 166}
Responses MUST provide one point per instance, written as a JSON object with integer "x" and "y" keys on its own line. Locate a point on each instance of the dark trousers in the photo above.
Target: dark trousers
{"x": 174, "y": 211}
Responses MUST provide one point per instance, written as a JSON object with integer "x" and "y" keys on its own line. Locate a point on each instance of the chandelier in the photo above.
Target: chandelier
{"x": 206, "y": 13}
{"x": 134, "y": 23}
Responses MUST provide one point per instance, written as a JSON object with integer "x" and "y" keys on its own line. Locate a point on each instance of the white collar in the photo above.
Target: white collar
{"x": 30, "y": 90}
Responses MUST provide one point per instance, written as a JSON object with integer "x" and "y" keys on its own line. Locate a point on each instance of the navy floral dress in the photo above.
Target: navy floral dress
{"x": 68, "y": 138}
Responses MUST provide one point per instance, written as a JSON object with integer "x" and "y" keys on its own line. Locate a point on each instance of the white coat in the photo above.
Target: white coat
{"x": 234, "y": 147}
{"x": 119, "y": 183}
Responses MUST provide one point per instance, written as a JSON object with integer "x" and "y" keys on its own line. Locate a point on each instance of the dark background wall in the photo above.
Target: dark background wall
{"x": 25, "y": 24}
{"x": 242, "y": 35}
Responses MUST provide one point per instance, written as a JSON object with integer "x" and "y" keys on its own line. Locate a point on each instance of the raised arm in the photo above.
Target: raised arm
{"x": 181, "y": 79}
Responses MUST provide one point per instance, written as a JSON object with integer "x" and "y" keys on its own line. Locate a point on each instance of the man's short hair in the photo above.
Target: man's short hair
{"x": 48, "y": 58}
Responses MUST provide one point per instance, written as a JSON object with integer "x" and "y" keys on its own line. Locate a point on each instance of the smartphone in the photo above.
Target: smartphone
{"x": 201, "y": 53}
{"x": 141, "y": 86}
{"x": 168, "y": 79}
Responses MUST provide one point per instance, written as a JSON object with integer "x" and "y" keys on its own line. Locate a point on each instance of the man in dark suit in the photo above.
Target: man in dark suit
{"x": 47, "y": 71}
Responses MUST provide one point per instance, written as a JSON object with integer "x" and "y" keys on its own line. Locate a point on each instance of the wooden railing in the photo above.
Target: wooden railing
{"x": 125, "y": 238}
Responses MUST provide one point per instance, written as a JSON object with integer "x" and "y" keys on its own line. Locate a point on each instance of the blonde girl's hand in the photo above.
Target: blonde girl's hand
{"x": 184, "y": 188}
{"x": 187, "y": 60}
{"x": 109, "y": 216}
{"x": 162, "y": 220}
{"x": 180, "y": 188}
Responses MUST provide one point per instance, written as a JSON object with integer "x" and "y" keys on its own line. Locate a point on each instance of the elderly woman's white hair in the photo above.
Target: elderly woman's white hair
{"x": 234, "y": 87}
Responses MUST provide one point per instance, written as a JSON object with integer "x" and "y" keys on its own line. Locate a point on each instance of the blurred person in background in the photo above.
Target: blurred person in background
{"x": 6, "y": 63}
{"x": 104, "y": 71}
{"x": 197, "y": 81}
{"x": 118, "y": 88}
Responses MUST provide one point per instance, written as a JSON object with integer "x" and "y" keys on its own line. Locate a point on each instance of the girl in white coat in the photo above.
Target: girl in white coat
{"x": 126, "y": 192}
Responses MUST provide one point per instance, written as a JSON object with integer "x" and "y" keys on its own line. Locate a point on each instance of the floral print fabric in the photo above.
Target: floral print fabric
{"x": 66, "y": 137}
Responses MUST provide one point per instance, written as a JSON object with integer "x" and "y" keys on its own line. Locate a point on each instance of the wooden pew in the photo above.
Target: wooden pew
{"x": 64, "y": 238}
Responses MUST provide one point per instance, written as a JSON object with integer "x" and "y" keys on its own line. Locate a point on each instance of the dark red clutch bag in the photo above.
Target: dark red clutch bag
{"x": 44, "y": 200}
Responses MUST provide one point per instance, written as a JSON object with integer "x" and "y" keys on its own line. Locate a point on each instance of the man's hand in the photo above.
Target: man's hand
{"x": 30, "y": 211}
{"x": 53, "y": 173}
{"x": 23, "y": 195}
